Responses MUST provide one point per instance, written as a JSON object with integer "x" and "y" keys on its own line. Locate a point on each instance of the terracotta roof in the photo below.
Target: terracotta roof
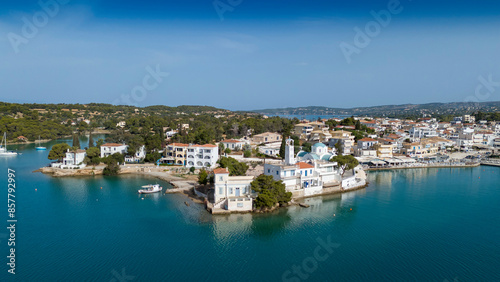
{"x": 205, "y": 146}
{"x": 231, "y": 141}
{"x": 21, "y": 137}
{"x": 367, "y": 140}
{"x": 392, "y": 135}
{"x": 178, "y": 145}
{"x": 111, "y": 145}
{"x": 303, "y": 165}
{"x": 220, "y": 171}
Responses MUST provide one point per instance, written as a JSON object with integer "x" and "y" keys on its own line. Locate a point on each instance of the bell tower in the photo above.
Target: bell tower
{"x": 289, "y": 153}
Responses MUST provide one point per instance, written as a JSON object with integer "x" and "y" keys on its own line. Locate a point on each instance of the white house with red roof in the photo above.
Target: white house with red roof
{"x": 109, "y": 149}
{"x": 234, "y": 144}
{"x": 231, "y": 193}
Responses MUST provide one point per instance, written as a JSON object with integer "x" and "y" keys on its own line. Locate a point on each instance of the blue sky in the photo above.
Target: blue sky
{"x": 256, "y": 54}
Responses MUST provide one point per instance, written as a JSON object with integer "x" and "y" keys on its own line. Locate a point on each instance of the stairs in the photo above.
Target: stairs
{"x": 218, "y": 204}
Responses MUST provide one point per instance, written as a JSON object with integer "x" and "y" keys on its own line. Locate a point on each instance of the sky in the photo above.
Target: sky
{"x": 250, "y": 54}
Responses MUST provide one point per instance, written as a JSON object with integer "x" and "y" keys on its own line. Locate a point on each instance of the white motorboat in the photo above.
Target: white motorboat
{"x": 3, "y": 147}
{"x": 151, "y": 188}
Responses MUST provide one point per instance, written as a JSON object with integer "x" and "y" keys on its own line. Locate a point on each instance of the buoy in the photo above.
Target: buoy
{"x": 142, "y": 198}
{"x": 333, "y": 214}
{"x": 351, "y": 209}
{"x": 101, "y": 187}
{"x": 35, "y": 189}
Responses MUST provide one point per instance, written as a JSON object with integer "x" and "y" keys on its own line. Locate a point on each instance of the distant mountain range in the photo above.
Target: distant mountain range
{"x": 406, "y": 110}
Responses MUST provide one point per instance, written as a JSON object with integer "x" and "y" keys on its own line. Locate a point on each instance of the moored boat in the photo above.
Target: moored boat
{"x": 3, "y": 147}
{"x": 151, "y": 188}
{"x": 40, "y": 147}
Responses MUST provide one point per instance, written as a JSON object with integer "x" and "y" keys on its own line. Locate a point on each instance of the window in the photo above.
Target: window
{"x": 221, "y": 191}
{"x": 268, "y": 170}
{"x": 230, "y": 191}
{"x": 277, "y": 172}
{"x": 220, "y": 178}
{"x": 240, "y": 205}
{"x": 244, "y": 190}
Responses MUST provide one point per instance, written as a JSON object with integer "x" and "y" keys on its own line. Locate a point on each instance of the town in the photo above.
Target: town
{"x": 240, "y": 167}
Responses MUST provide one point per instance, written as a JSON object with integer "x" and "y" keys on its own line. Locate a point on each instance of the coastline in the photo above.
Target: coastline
{"x": 102, "y": 131}
{"x": 424, "y": 166}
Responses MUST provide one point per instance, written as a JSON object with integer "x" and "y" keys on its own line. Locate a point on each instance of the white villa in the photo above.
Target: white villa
{"x": 200, "y": 156}
{"x": 72, "y": 160}
{"x": 139, "y": 155}
{"x": 234, "y": 144}
{"x": 232, "y": 193}
{"x": 109, "y": 149}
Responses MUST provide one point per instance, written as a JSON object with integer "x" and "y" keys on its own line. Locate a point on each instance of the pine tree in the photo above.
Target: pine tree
{"x": 282, "y": 148}
{"x": 76, "y": 141}
{"x": 91, "y": 140}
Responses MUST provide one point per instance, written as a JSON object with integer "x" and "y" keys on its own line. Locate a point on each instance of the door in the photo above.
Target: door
{"x": 237, "y": 192}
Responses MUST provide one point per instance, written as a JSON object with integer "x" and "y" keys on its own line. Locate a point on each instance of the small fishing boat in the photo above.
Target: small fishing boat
{"x": 3, "y": 147}
{"x": 40, "y": 147}
{"x": 151, "y": 188}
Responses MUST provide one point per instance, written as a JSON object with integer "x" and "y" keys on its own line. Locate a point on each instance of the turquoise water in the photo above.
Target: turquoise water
{"x": 421, "y": 224}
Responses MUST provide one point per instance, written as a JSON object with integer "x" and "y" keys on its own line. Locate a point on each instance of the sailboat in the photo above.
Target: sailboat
{"x": 40, "y": 147}
{"x": 3, "y": 147}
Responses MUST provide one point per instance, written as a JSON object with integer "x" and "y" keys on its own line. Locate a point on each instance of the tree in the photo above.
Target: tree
{"x": 307, "y": 147}
{"x": 111, "y": 169}
{"x": 358, "y": 125}
{"x": 99, "y": 143}
{"x": 235, "y": 168}
{"x": 91, "y": 140}
{"x": 76, "y": 141}
{"x": 221, "y": 148}
{"x": 247, "y": 154}
{"x": 345, "y": 163}
{"x": 192, "y": 169}
{"x": 58, "y": 151}
{"x": 282, "y": 148}
{"x": 270, "y": 191}
{"x": 338, "y": 148}
{"x": 93, "y": 156}
{"x": 227, "y": 151}
{"x": 203, "y": 177}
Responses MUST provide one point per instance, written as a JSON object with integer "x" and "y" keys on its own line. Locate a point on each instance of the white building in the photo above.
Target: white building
{"x": 319, "y": 151}
{"x": 366, "y": 143}
{"x": 139, "y": 155}
{"x": 417, "y": 133}
{"x": 234, "y": 144}
{"x": 232, "y": 193}
{"x": 72, "y": 160}
{"x": 109, "y": 149}
{"x": 202, "y": 156}
{"x": 269, "y": 150}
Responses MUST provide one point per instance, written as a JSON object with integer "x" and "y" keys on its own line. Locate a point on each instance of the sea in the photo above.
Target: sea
{"x": 437, "y": 224}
